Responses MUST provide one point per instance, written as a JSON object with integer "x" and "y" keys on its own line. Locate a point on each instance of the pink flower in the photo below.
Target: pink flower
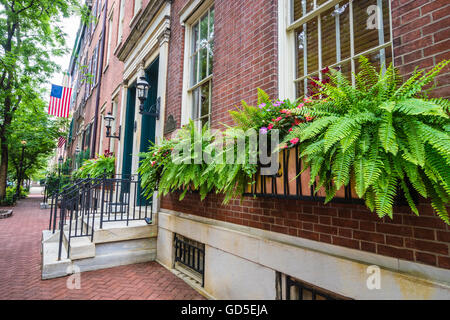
{"x": 295, "y": 141}
{"x": 307, "y": 100}
{"x": 278, "y": 119}
{"x": 153, "y": 163}
{"x": 301, "y": 105}
{"x": 291, "y": 129}
{"x": 270, "y": 126}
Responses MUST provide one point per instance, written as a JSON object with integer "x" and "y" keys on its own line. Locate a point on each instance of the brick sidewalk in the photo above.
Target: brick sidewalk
{"x": 20, "y": 268}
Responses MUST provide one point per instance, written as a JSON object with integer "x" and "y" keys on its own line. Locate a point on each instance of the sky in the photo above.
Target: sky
{"x": 70, "y": 27}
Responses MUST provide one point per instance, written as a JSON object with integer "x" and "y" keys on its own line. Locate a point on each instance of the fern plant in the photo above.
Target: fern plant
{"x": 185, "y": 168}
{"x": 96, "y": 168}
{"x": 152, "y": 165}
{"x": 383, "y": 134}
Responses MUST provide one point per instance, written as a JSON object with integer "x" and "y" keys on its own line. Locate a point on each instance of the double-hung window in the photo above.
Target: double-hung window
{"x": 333, "y": 33}
{"x": 201, "y": 67}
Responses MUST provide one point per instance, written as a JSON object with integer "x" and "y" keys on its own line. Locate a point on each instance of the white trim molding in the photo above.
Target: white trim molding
{"x": 192, "y": 10}
{"x": 337, "y": 269}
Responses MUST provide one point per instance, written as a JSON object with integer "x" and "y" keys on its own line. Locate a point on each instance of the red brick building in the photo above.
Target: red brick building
{"x": 202, "y": 57}
{"x": 252, "y": 49}
{"x": 96, "y": 79}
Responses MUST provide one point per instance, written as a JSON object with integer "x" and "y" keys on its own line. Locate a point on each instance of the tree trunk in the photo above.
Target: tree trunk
{"x": 19, "y": 182}
{"x": 3, "y": 166}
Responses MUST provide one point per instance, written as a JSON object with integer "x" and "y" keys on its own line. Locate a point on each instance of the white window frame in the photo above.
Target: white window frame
{"x": 121, "y": 20}
{"x": 191, "y": 15}
{"x": 287, "y": 27}
{"x": 110, "y": 31}
{"x": 136, "y": 6}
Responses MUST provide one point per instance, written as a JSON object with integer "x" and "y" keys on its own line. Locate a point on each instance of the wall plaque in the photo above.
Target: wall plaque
{"x": 171, "y": 125}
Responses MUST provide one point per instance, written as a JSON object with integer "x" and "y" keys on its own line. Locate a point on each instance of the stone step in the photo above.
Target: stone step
{"x": 80, "y": 247}
{"x": 120, "y": 253}
{"x": 121, "y": 231}
{"x": 51, "y": 267}
{"x": 107, "y": 255}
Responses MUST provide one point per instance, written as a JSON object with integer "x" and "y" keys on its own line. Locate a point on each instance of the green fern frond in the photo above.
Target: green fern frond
{"x": 387, "y": 134}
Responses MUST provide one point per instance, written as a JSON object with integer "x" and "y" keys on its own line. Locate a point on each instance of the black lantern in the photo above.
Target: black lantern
{"x": 77, "y": 150}
{"x": 60, "y": 160}
{"x": 109, "y": 119}
{"x": 142, "y": 87}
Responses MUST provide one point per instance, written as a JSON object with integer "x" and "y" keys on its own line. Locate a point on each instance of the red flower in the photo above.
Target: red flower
{"x": 270, "y": 126}
{"x": 297, "y": 121}
{"x": 295, "y": 141}
{"x": 290, "y": 130}
{"x": 278, "y": 119}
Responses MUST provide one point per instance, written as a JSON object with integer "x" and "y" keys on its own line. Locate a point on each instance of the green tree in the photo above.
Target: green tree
{"x": 32, "y": 140}
{"x": 29, "y": 37}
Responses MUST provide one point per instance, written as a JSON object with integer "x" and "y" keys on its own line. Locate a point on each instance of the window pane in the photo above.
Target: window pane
{"x": 302, "y": 7}
{"x": 195, "y": 108}
{"x": 205, "y": 99}
{"x": 211, "y": 24}
{"x": 194, "y": 69}
{"x": 366, "y": 27}
{"x": 386, "y": 22}
{"x": 329, "y": 35}
{"x": 378, "y": 58}
{"x": 211, "y": 58}
{"x": 203, "y": 61}
{"x": 300, "y": 89}
{"x": 204, "y": 28}
{"x": 300, "y": 44}
{"x": 195, "y": 38}
{"x": 312, "y": 45}
{"x": 311, "y": 87}
{"x": 343, "y": 12}
{"x": 346, "y": 69}
{"x": 203, "y": 121}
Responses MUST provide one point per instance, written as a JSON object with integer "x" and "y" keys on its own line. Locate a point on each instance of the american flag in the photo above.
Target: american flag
{"x": 61, "y": 141}
{"x": 60, "y": 101}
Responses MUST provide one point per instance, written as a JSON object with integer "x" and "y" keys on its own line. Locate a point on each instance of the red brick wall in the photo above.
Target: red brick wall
{"x": 423, "y": 239}
{"x": 245, "y": 54}
{"x": 246, "y": 58}
{"x": 245, "y": 47}
{"x": 175, "y": 67}
{"x": 421, "y": 31}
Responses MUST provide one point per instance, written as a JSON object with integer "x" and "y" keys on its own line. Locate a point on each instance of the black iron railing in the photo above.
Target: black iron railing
{"x": 190, "y": 254}
{"x": 88, "y": 204}
{"x": 290, "y": 183}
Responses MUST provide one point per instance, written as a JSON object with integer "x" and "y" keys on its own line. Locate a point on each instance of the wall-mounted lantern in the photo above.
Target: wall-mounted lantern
{"x": 109, "y": 119}
{"x": 142, "y": 88}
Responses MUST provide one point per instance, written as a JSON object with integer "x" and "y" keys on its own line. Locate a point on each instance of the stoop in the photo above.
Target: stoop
{"x": 114, "y": 245}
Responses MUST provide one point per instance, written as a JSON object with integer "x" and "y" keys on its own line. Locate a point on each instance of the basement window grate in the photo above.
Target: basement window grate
{"x": 290, "y": 288}
{"x": 190, "y": 254}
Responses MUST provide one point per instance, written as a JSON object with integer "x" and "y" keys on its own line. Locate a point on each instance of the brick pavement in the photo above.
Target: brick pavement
{"x": 20, "y": 268}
